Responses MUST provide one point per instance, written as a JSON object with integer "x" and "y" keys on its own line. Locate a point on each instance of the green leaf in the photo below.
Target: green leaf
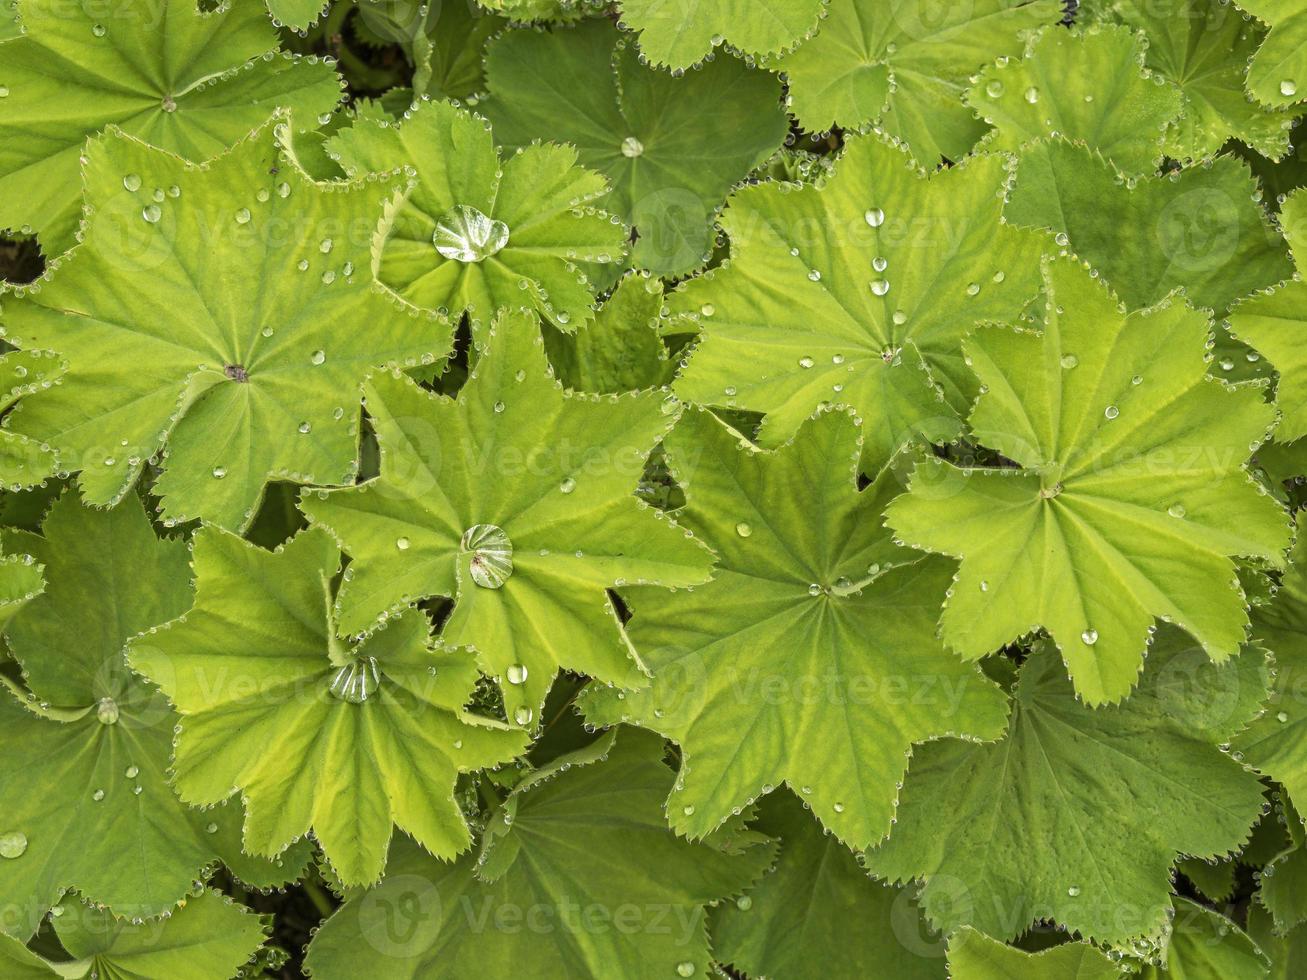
{"x": 1204, "y": 47}
{"x": 25, "y": 462}
{"x": 1283, "y": 890}
{"x": 90, "y": 748}
{"x": 1274, "y": 743}
{"x": 1214, "y": 880}
{"x": 1278, "y": 73}
{"x": 517, "y": 500}
{"x": 906, "y": 64}
{"x": 974, "y": 956}
{"x": 819, "y": 907}
{"x": 1079, "y": 814}
{"x": 578, "y": 876}
{"x": 209, "y": 938}
{"x": 1056, "y": 89}
{"x": 810, "y": 658}
{"x": 192, "y": 83}
{"x": 313, "y": 731}
{"x": 857, "y": 293}
{"x": 296, "y": 14}
{"x": 1129, "y": 500}
{"x": 1287, "y": 954}
{"x": 239, "y": 357}
{"x": 1273, "y": 323}
{"x": 670, "y": 163}
{"x": 679, "y": 33}
{"x": 622, "y": 350}
{"x": 1205, "y": 945}
{"x": 481, "y": 234}
{"x": 449, "y": 50}
{"x": 1200, "y": 229}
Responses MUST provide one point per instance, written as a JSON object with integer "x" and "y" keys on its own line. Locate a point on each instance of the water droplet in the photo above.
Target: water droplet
{"x": 523, "y": 715}
{"x": 516, "y": 673}
{"x": 994, "y": 89}
{"x": 1089, "y": 637}
{"x": 568, "y": 485}
{"x": 174, "y": 191}
{"x": 464, "y": 234}
{"x": 243, "y": 216}
{"x": 708, "y": 309}
{"x": 492, "y": 557}
{"x": 1138, "y": 379}
{"x": 4, "y": 91}
{"x": 880, "y": 263}
{"x": 744, "y": 903}
{"x": 838, "y": 807}
{"x": 1032, "y": 95}
{"x": 402, "y": 544}
{"x": 99, "y": 30}
{"x": 356, "y": 681}
{"x": 1069, "y": 361}
{"x": 98, "y": 795}
{"x": 499, "y": 407}
{"x": 880, "y": 286}
{"x": 12, "y": 844}
{"x": 1111, "y": 412}
{"x": 973, "y": 289}
{"x": 688, "y": 809}
{"x": 107, "y": 711}
{"x": 685, "y": 969}
{"x": 131, "y": 772}
{"x": 326, "y": 245}
{"x": 219, "y": 472}
{"x": 151, "y": 213}
{"x": 805, "y": 362}
{"x": 814, "y": 276}
{"x": 632, "y": 148}
{"x": 1282, "y": 717}
{"x": 875, "y": 217}
{"x": 1073, "y": 891}
{"x": 984, "y": 586}
{"x": 305, "y": 428}
{"x": 1288, "y": 87}
{"x": 211, "y": 828}
{"x": 743, "y": 529}
{"x": 1176, "y": 510}
{"x": 318, "y": 357}
{"x": 132, "y": 182}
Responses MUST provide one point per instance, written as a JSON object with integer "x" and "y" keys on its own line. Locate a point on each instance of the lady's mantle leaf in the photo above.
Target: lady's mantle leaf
{"x": 858, "y": 293}
{"x": 1130, "y": 499}
{"x": 1200, "y": 228}
{"x": 1079, "y": 813}
{"x": 189, "y": 82}
{"x": 209, "y": 938}
{"x": 1057, "y": 89}
{"x": 23, "y": 461}
{"x": 313, "y": 731}
{"x": 905, "y": 63}
{"x": 1274, "y": 744}
{"x": 90, "y": 749}
{"x": 1278, "y": 73}
{"x": 578, "y": 877}
{"x": 678, "y": 33}
{"x": 517, "y": 499}
{"x": 477, "y": 233}
{"x": 671, "y": 161}
{"x": 1275, "y": 323}
{"x": 974, "y": 956}
{"x": 804, "y": 661}
{"x": 1204, "y": 47}
{"x": 819, "y": 906}
{"x": 237, "y": 353}
{"x": 1204, "y": 944}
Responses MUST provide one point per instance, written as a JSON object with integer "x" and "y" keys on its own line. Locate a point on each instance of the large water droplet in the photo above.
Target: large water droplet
{"x": 685, "y": 969}
{"x": 107, "y": 711}
{"x": 523, "y": 715}
{"x": 1111, "y": 412}
{"x": 1073, "y": 891}
{"x": 875, "y": 217}
{"x": 1089, "y": 637}
{"x": 516, "y": 673}
{"x": 1176, "y": 510}
{"x": 12, "y": 844}
{"x": 880, "y": 286}
{"x": 1069, "y": 361}
{"x": 356, "y": 681}
{"x": 464, "y": 234}
{"x": 632, "y": 147}
{"x": 132, "y": 182}
{"x": 743, "y": 529}
{"x": 151, "y": 213}
{"x": 492, "y": 556}
{"x": 1032, "y": 95}
{"x": 1288, "y": 87}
